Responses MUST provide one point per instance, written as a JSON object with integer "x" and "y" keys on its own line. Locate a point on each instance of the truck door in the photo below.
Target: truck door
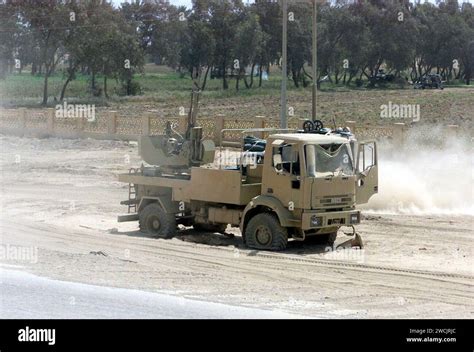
{"x": 281, "y": 178}
{"x": 367, "y": 172}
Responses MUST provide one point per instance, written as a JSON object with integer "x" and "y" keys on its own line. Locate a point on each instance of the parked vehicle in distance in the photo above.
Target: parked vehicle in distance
{"x": 431, "y": 80}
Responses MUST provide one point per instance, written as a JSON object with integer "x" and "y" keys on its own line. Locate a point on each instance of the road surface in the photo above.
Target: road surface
{"x": 27, "y": 296}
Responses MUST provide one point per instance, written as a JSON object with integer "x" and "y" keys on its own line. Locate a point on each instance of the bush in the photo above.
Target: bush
{"x": 130, "y": 88}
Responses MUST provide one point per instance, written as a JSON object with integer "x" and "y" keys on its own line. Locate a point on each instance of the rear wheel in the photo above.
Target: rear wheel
{"x": 265, "y": 232}
{"x": 154, "y": 220}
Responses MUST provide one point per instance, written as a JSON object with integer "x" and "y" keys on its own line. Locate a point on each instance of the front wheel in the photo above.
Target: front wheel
{"x": 265, "y": 232}
{"x": 154, "y": 220}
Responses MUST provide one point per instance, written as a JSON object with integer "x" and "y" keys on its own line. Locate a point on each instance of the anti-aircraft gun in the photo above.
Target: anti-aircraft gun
{"x": 175, "y": 153}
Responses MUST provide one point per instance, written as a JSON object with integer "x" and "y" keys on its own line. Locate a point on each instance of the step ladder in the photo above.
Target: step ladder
{"x": 132, "y": 193}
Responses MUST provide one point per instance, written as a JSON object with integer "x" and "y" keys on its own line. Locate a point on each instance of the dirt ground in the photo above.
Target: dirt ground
{"x": 60, "y": 199}
{"x": 443, "y": 107}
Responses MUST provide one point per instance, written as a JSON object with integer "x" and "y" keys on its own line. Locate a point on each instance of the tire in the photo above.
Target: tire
{"x": 153, "y": 220}
{"x": 265, "y": 232}
{"x": 210, "y": 227}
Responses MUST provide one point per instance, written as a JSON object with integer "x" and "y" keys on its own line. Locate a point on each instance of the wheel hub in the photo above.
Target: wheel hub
{"x": 155, "y": 223}
{"x": 263, "y": 235}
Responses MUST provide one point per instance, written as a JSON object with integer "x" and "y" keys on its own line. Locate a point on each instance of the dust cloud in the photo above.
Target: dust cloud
{"x": 430, "y": 174}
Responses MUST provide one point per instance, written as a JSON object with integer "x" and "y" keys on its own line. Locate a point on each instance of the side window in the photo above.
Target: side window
{"x": 366, "y": 157}
{"x": 286, "y": 159}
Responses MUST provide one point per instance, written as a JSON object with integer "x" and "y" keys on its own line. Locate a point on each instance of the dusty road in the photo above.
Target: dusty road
{"x": 59, "y": 201}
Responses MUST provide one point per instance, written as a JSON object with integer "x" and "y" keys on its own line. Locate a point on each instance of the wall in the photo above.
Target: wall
{"x": 113, "y": 125}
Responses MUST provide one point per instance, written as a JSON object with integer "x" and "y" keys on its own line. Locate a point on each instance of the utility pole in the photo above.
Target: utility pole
{"x": 284, "y": 74}
{"x": 315, "y": 66}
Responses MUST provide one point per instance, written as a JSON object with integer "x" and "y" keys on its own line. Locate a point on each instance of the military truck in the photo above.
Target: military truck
{"x": 299, "y": 183}
{"x": 380, "y": 79}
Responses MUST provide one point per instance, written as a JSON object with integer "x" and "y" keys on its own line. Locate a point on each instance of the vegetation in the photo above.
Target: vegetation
{"x": 165, "y": 93}
{"x": 92, "y": 50}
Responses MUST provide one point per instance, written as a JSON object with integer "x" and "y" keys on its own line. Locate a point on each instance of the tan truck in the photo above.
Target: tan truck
{"x": 297, "y": 184}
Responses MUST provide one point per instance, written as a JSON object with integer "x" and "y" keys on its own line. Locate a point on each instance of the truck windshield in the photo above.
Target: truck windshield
{"x": 329, "y": 159}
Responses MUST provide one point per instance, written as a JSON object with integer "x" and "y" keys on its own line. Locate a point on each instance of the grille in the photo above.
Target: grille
{"x": 340, "y": 221}
{"x": 336, "y": 200}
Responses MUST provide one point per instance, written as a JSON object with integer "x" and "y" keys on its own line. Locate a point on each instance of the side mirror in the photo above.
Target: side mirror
{"x": 277, "y": 162}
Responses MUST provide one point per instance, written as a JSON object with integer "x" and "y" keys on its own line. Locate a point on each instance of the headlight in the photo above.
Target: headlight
{"x": 316, "y": 220}
{"x": 355, "y": 218}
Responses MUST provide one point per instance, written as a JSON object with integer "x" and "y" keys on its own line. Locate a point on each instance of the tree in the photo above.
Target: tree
{"x": 169, "y": 36}
{"x": 250, "y": 43}
{"x": 49, "y": 21}
{"x": 225, "y": 16}
{"x": 75, "y": 44}
{"x": 143, "y": 15}
{"x": 9, "y": 29}
{"x": 107, "y": 44}
{"x": 198, "y": 49}
{"x": 269, "y": 17}
{"x": 467, "y": 44}
{"x": 299, "y": 42}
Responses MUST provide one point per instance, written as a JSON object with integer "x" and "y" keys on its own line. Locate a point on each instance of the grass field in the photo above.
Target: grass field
{"x": 166, "y": 93}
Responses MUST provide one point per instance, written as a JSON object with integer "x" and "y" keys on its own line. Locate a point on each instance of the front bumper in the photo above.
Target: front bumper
{"x": 318, "y": 220}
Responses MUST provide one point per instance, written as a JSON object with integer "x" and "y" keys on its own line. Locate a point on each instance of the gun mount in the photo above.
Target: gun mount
{"x": 173, "y": 152}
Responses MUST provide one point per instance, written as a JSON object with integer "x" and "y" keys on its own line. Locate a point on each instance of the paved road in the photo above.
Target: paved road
{"x": 24, "y": 295}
